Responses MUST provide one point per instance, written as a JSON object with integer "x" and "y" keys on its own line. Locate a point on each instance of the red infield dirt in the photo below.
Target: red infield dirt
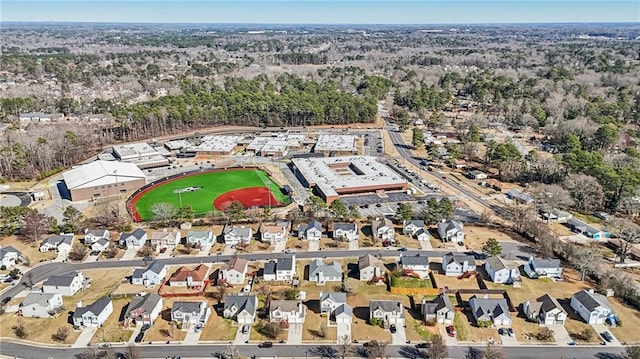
{"x": 249, "y": 197}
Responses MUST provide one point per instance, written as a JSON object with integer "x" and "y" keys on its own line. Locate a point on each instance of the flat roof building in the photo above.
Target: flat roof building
{"x": 141, "y": 154}
{"x": 338, "y": 144}
{"x": 217, "y": 145}
{"x": 177, "y": 145}
{"x": 100, "y": 179}
{"x": 275, "y": 146}
{"x": 332, "y": 177}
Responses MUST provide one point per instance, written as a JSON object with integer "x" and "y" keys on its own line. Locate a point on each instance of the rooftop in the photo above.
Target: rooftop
{"x": 100, "y": 173}
{"x": 217, "y": 144}
{"x": 134, "y": 150}
{"x": 338, "y": 143}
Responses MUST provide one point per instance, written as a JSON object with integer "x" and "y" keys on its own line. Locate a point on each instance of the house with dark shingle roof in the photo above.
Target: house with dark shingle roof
{"x": 545, "y": 310}
{"x": 415, "y": 265}
{"x": 135, "y": 239}
{"x": 501, "y": 271}
{"x": 455, "y": 264}
{"x": 91, "y": 236}
{"x": 287, "y": 311}
{"x": 582, "y": 227}
{"x": 389, "y": 311}
{"x": 440, "y": 309}
{"x": 93, "y": 315}
{"x": 370, "y": 267}
{"x": 593, "y": 307}
{"x": 66, "y": 284}
{"x": 282, "y": 268}
{"x": 543, "y": 267}
{"x": 310, "y": 231}
{"x": 187, "y": 314}
{"x": 451, "y": 231}
{"x": 62, "y": 243}
{"x": 144, "y": 309}
{"x": 40, "y": 305}
{"x": 493, "y": 310}
{"x": 241, "y": 308}
{"x": 154, "y": 274}
{"x": 343, "y": 231}
{"x": 9, "y": 256}
{"x": 320, "y": 273}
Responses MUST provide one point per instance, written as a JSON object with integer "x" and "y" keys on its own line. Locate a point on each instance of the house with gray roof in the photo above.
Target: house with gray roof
{"x": 416, "y": 265}
{"x": 520, "y": 197}
{"x": 100, "y": 245}
{"x": 287, "y": 311}
{"x": 283, "y": 268}
{"x": 582, "y": 227}
{"x": 593, "y": 308}
{"x": 200, "y": 239}
{"x": 321, "y": 273}
{"x": 501, "y": 271}
{"x": 543, "y": 267}
{"x": 310, "y": 231}
{"x": 370, "y": 267}
{"x": 41, "y": 305}
{"x": 388, "y": 311}
{"x": 440, "y": 309}
{"x": 135, "y": 239}
{"x": 187, "y": 314}
{"x": 154, "y": 274}
{"x": 455, "y": 264}
{"x": 382, "y": 229}
{"x": 165, "y": 238}
{"x": 329, "y": 301}
{"x": 415, "y": 228}
{"x": 91, "y": 236}
{"x": 241, "y": 308}
{"x": 144, "y": 309}
{"x": 93, "y": 315}
{"x": 66, "y": 284}
{"x": 9, "y": 256}
{"x": 545, "y": 310}
{"x": 61, "y": 243}
{"x": 491, "y": 310}
{"x": 344, "y": 231}
{"x": 451, "y": 231}
{"x": 234, "y": 235}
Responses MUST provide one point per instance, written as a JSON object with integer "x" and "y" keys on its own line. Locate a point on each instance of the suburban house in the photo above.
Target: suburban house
{"x": 415, "y": 228}
{"x": 476, "y": 175}
{"x": 556, "y": 215}
{"x": 66, "y": 284}
{"x": 93, "y": 315}
{"x": 543, "y": 267}
{"x": 382, "y": 230}
{"x": 282, "y": 269}
{"x": 451, "y": 231}
{"x": 343, "y": 231}
{"x": 593, "y": 307}
{"x": 371, "y": 268}
{"x": 310, "y": 231}
{"x": 321, "y": 273}
{"x": 143, "y": 309}
{"x": 335, "y": 305}
{"x": 586, "y": 229}
{"x": 415, "y": 266}
{"x": 275, "y": 234}
{"x": 545, "y": 310}
{"x": 135, "y": 239}
{"x": 241, "y": 308}
{"x": 491, "y": 310}
{"x": 41, "y": 305}
{"x": 455, "y": 264}
{"x": 91, "y": 236}
{"x": 186, "y": 314}
{"x": 388, "y": 311}
{"x": 234, "y": 271}
{"x": 520, "y": 197}
{"x": 200, "y": 239}
{"x": 9, "y": 256}
{"x": 287, "y": 311}
{"x": 234, "y": 236}
{"x": 100, "y": 245}
{"x": 501, "y": 271}
{"x": 439, "y": 310}
{"x": 192, "y": 278}
{"x": 62, "y": 243}
{"x": 154, "y": 274}
{"x": 165, "y": 239}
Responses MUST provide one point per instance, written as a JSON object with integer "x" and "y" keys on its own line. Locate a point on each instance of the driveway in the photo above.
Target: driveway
{"x": 314, "y": 246}
{"x": 509, "y": 341}
{"x": 294, "y": 335}
{"x": 228, "y": 251}
{"x": 136, "y": 331}
{"x": 560, "y": 334}
{"x": 344, "y": 333}
{"x": 279, "y": 247}
{"x": 448, "y": 341}
{"x": 353, "y": 245}
{"x": 129, "y": 254}
{"x": 91, "y": 259}
{"x": 242, "y": 338}
{"x": 85, "y": 337}
{"x": 601, "y": 328}
{"x": 425, "y": 245}
{"x": 400, "y": 336}
{"x": 192, "y": 338}
{"x": 166, "y": 254}
{"x": 204, "y": 252}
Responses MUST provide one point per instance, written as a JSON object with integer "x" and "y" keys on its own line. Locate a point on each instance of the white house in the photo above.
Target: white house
{"x": 9, "y": 256}
{"x": 100, "y": 245}
{"x": 593, "y": 307}
{"x": 234, "y": 271}
{"x": 287, "y": 311}
{"x": 543, "y": 267}
{"x": 62, "y": 243}
{"x": 310, "y": 231}
{"x": 41, "y": 305}
{"x": 389, "y": 311}
{"x": 411, "y": 227}
{"x": 91, "y": 236}
{"x": 281, "y": 269}
{"x": 135, "y": 239}
{"x": 382, "y": 230}
{"x": 165, "y": 239}
{"x": 154, "y": 274}
{"x": 200, "y": 239}
{"x": 370, "y": 267}
{"x": 275, "y": 234}
{"x": 545, "y": 310}
{"x": 321, "y": 273}
{"x": 94, "y": 315}
{"x": 187, "y": 314}
{"x": 329, "y": 301}
{"x": 65, "y": 284}
{"x": 455, "y": 264}
{"x": 501, "y": 271}
{"x": 440, "y": 309}
{"x": 241, "y": 308}
{"x": 493, "y": 310}
{"x": 415, "y": 265}
{"x": 451, "y": 231}
{"x": 144, "y": 309}
{"x": 234, "y": 236}
{"x": 345, "y": 231}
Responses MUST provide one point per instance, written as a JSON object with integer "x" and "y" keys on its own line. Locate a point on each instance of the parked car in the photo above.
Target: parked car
{"x": 510, "y": 332}
{"x": 501, "y": 331}
{"x": 393, "y": 328}
{"x": 245, "y": 329}
{"x": 403, "y": 249}
{"x": 265, "y": 345}
{"x": 607, "y": 336}
{"x": 6, "y": 300}
{"x": 422, "y": 345}
{"x": 451, "y": 331}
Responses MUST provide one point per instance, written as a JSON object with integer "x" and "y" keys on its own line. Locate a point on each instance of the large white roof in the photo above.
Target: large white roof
{"x": 336, "y": 143}
{"x": 100, "y": 173}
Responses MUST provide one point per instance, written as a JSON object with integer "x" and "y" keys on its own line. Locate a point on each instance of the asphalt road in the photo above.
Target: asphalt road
{"x": 310, "y": 351}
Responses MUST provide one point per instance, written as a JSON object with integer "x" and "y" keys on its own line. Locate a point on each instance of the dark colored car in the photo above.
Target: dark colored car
{"x": 393, "y": 328}
{"x": 6, "y": 300}
{"x": 403, "y": 249}
{"x": 265, "y": 345}
{"x": 422, "y": 345}
{"x": 607, "y": 336}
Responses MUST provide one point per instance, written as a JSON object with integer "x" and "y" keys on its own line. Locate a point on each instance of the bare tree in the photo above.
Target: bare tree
{"x": 521, "y": 216}
{"x": 61, "y": 334}
{"x": 631, "y": 352}
{"x": 345, "y": 346}
{"x": 586, "y": 191}
{"x": 132, "y": 352}
{"x": 164, "y": 212}
{"x": 584, "y": 259}
{"x": 110, "y": 215}
{"x": 232, "y": 352}
{"x": 551, "y": 197}
{"x": 493, "y": 351}
{"x": 35, "y": 225}
{"x": 78, "y": 252}
{"x": 437, "y": 348}
{"x": 377, "y": 349}
{"x": 627, "y": 234}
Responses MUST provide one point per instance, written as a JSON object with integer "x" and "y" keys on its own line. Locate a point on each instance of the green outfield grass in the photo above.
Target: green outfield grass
{"x": 213, "y": 185}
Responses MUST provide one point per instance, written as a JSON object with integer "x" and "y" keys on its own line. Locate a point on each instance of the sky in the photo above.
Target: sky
{"x": 322, "y": 12}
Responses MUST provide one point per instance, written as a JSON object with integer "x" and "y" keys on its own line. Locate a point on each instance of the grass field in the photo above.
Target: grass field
{"x": 213, "y": 185}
